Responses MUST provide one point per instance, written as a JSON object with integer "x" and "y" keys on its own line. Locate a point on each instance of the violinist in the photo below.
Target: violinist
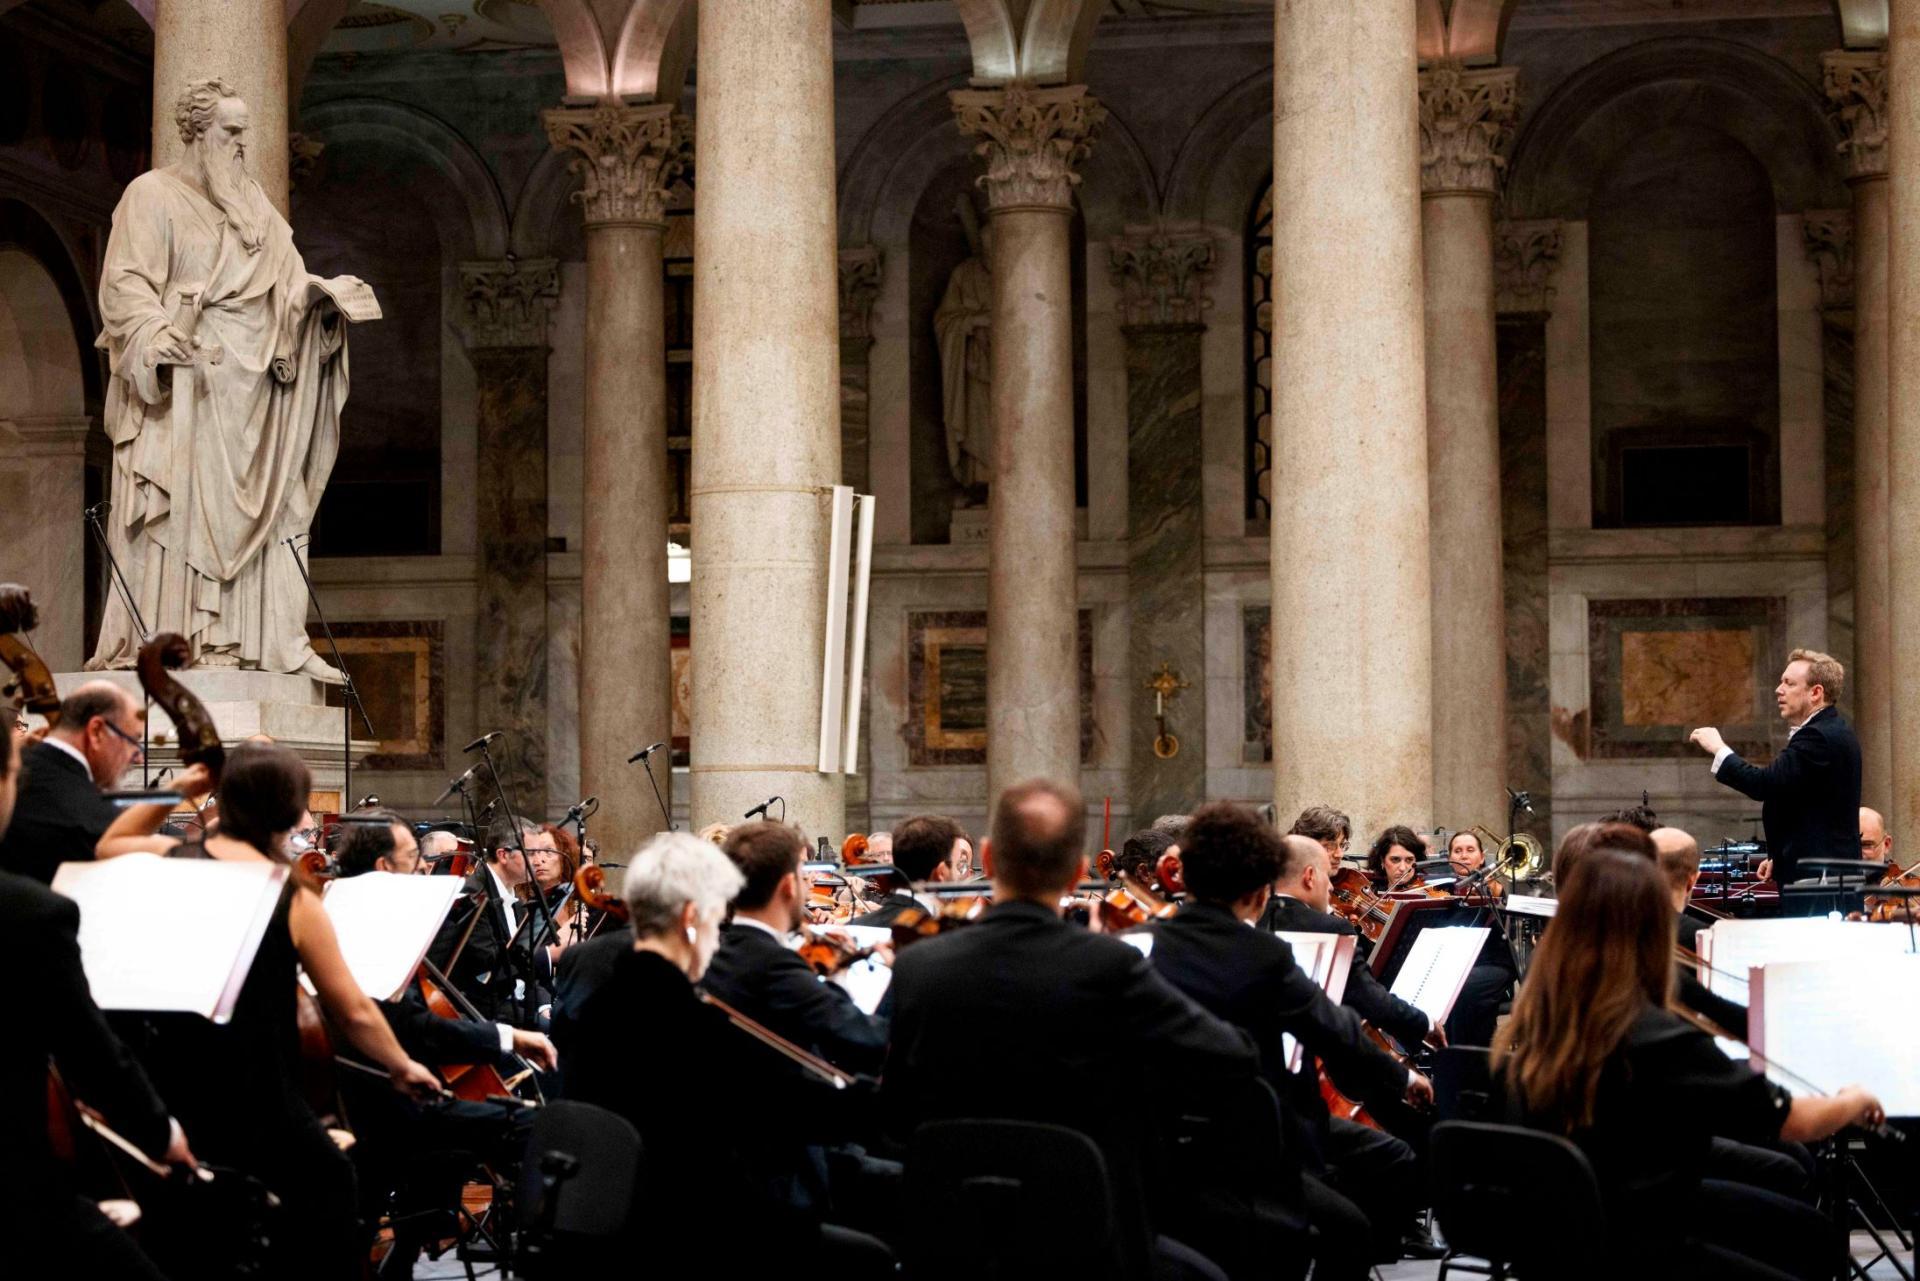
{"x": 1327, "y": 825}
{"x": 234, "y": 1085}
{"x": 1248, "y": 977}
{"x": 1876, "y": 842}
{"x": 1490, "y": 982}
{"x": 716, "y": 1111}
{"x": 1138, "y": 855}
{"x": 40, "y": 1208}
{"x": 1393, "y": 862}
{"x": 926, "y": 847}
{"x": 1594, "y": 1052}
{"x": 756, "y": 970}
{"x": 1465, "y": 858}
{"x": 61, "y": 816}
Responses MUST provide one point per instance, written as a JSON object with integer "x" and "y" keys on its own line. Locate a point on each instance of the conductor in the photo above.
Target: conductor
{"x": 1810, "y": 795}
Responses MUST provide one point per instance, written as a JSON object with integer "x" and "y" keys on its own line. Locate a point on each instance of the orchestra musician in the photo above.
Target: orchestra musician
{"x": 1810, "y": 795}
{"x": 1010, "y": 1016}
{"x": 233, "y": 1085}
{"x": 483, "y": 968}
{"x": 60, "y": 815}
{"x": 1594, "y": 1052}
{"x": 1138, "y": 855}
{"x": 1876, "y": 842}
{"x": 1327, "y": 825}
{"x": 1247, "y": 977}
{"x": 1393, "y": 860}
{"x": 926, "y": 847}
{"x": 42, "y": 1214}
{"x": 716, "y": 1112}
{"x": 1465, "y": 857}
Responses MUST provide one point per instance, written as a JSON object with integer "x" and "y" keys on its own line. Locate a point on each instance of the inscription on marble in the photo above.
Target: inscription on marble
{"x": 398, "y": 668}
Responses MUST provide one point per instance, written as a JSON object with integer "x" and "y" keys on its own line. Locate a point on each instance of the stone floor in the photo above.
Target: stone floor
{"x": 1863, "y": 1249}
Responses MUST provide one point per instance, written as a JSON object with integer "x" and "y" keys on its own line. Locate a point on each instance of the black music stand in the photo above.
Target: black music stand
{"x": 1406, "y": 919}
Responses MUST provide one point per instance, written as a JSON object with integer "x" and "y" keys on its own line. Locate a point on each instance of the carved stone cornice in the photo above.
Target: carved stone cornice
{"x": 1856, "y": 87}
{"x": 859, "y": 285}
{"x": 1466, "y": 126}
{"x": 507, "y": 301}
{"x": 1033, "y": 139}
{"x": 627, "y": 159}
{"x": 1828, "y": 237}
{"x": 1162, "y": 276}
{"x": 1525, "y": 254}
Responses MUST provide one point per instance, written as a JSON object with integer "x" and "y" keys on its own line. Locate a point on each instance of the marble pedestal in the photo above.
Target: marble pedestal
{"x": 291, "y": 709}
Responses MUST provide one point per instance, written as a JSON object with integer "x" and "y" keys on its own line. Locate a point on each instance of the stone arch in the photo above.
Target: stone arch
{"x": 1226, "y": 159}
{"x": 1048, "y": 46}
{"x": 40, "y": 361}
{"x": 546, "y": 221}
{"x": 26, "y": 233}
{"x": 637, "y": 51}
{"x": 1753, "y": 98}
{"x": 1118, "y": 187}
{"x": 1470, "y": 30}
{"x": 474, "y": 224}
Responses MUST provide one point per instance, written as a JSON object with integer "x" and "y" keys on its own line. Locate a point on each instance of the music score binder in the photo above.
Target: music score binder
{"x": 385, "y": 923}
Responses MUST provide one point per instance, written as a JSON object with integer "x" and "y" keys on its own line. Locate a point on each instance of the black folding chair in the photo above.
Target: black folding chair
{"x": 1225, "y": 1183}
{"x": 1463, "y": 1083}
{"x": 1489, "y": 1182}
{"x": 576, "y": 1188}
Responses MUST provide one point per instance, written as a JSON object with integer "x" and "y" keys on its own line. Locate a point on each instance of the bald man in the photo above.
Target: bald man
{"x": 1876, "y": 842}
{"x": 61, "y": 815}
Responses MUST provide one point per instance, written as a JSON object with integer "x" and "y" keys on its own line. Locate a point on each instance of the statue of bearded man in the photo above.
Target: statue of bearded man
{"x": 229, "y": 373}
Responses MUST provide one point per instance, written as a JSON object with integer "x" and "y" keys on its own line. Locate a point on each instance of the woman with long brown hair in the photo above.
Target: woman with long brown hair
{"x": 1594, "y": 1052}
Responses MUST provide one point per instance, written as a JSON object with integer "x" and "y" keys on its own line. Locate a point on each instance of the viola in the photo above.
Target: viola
{"x": 830, "y": 952}
{"x": 916, "y": 922}
{"x": 32, "y": 688}
{"x": 1126, "y": 906}
{"x": 1351, "y": 896}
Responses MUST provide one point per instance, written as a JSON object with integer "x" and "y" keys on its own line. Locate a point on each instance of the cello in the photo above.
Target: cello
{"x": 32, "y": 688}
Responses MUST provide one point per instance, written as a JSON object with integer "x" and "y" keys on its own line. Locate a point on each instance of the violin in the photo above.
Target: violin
{"x": 32, "y": 688}
{"x": 916, "y": 922}
{"x": 1894, "y": 909}
{"x": 1126, "y": 906}
{"x": 830, "y": 952}
{"x": 1351, "y": 896}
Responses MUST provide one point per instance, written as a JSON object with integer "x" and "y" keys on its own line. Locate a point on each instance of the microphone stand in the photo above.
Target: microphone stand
{"x": 529, "y": 1004}
{"x": 352, "y": 695}
{"x": 119, "y": 582}
{"x": 646, "y": 761}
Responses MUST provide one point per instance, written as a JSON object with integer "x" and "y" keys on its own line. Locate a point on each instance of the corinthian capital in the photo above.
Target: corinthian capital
{"x": 507, "y": 301}
{"x": 1466, "y": 125}
{"x": 1525, "y": 254}
{"x": 1033, "y": 139}
{"x": 627, "y": 158}
{"x": 1162, "y": 276}
{"x": 1856, "y": 85}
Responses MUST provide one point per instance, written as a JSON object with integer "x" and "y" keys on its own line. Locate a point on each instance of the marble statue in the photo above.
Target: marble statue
{"x": 229, "y": 371}
{"x": 963, "y": 324}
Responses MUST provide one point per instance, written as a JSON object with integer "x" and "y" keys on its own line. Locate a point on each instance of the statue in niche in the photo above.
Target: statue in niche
{"x": 963, "y": 324}
{"x": 229, "y": 366}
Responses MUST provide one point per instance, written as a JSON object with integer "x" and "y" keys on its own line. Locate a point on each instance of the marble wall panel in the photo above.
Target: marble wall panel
{"x": 399, "y": 669}
{"x": 1522, "y": 357}
{"x": 1659, "y": 668}
{"x": 947, "y": 687}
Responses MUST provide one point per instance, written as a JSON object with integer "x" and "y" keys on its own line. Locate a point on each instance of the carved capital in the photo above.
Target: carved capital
{"x": 1162, "y": 276}
{"x": 627, "y": 158}
{"x": 859, "y": 284}
{"x": 1525, "y": 254}
{"x": 303, "y": 158}
{"x": 1856, "y": 86}
{"x": 1466, "y": 126}
{"x": 1033, "y": 138}
{"x": 1829, "y": 242}
{"x": 506, "y": 302}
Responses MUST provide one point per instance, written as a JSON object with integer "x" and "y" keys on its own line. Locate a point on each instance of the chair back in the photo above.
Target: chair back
{"x": 1491, "y": 1184}
{"x": 577, "y": 1182}
{"x": 1463, "y": 1083}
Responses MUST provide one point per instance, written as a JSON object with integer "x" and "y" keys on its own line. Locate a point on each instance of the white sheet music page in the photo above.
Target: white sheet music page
{"x": 1327, "y": 959}
{"x": 866, "y": 981}
{"x": 1736, "y": 946}
{"x": 1437, "y": 968}
{"x": 1833, "y": 1024}
{"x": 170, "y": 934}
{"x": 385, "y": 923}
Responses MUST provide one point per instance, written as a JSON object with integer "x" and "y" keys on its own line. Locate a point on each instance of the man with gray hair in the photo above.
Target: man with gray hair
{"x": 61, "y": 814}
{"x": 202, "y": 293}
{"x": 476, "y": 953}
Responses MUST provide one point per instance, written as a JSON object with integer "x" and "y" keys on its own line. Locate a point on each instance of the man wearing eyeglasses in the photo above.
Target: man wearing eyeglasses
{"x": 61, "y": 814}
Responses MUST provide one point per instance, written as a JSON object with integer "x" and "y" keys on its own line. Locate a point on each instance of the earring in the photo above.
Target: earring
{"x": 690, "y": 936}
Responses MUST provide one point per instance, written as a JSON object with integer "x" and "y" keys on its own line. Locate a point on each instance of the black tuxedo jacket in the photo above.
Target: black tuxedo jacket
{"x": 889, "y": 909}
{"x": 1809, "y": 797}
{"x": 768, "y": 982}
{"x": 40, "y": 942}
{"x": 1248, "y": 977}
{"x": 1365, "y": 994}
{"x": 58, "y": 818}
{"x": 433, "y": 1040}
{"x": 484, "y": 973}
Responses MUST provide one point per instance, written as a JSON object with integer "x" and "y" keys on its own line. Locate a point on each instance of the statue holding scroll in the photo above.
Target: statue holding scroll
{"x": 229, "y": 368}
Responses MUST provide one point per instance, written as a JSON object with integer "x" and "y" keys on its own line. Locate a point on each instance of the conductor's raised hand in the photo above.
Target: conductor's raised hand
{"x": 1708, "y": 740}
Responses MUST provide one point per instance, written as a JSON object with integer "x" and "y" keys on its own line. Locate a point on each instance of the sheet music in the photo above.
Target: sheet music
{"x": 1437, "y": 968}
{"x": 1833, "y": 1024}
{"x": 1328, "y": 960}
{"x": 170, "y": 934}
{"x": 1532, "y": 905}
{"x": 385, "y": 923}
{"x": 1734, "y": 947}
{"x": 866, "y": 982}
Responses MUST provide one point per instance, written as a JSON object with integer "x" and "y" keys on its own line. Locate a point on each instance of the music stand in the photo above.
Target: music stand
{"x": 1406, "y": 919}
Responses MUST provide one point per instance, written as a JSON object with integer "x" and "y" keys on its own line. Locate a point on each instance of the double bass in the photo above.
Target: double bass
{"x": 31, "y": 687}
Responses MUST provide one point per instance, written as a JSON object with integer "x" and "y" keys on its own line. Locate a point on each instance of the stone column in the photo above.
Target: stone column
{"x": 1352, "y": 696}
{"x": 43, "y": 479}
{"x": 1162, "y": 278}
{"x": 766, "y": 396}
{"x": 628, "y": 158}
{"x": 1903, "y": 414}
{"x": 1032, "y": 139}
{"x": 859, "y": 285}
{"x": 242, "y": 44}
{"x": 507, "y": 304}
{"x": 1466, "y": 125}
{"x": 1856, "y": 85}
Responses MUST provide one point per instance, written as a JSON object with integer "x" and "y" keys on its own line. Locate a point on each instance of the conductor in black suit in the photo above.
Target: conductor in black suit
{"x": 61, "y": 814}
{"x": 1810, "y": 795}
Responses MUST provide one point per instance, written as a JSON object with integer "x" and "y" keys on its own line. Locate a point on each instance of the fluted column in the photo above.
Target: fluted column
{"x": 1352, "y": 688}
{"x": 1031, "y": 140}
{"x": 242, "y": 44}
{"x": 628, "y": 159}
{"x": 1466, "y": 125}
{"x": 1903, "y": 414}
{"x": 766, "y": 398}
{"x": 1856, "y": 85}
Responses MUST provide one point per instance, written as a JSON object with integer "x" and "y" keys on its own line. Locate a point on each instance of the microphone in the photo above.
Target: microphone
{"x": 482, "y": 741}
{"x": 644, "y": 752}
{"x": 98, "y": 510}
{"x": 458, "y": 784}
{"x": 760, "y": 810}
{"x": 1521, "y": 800}
{"x": 584, "y": 809}
{"x": 486, "y": 814}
